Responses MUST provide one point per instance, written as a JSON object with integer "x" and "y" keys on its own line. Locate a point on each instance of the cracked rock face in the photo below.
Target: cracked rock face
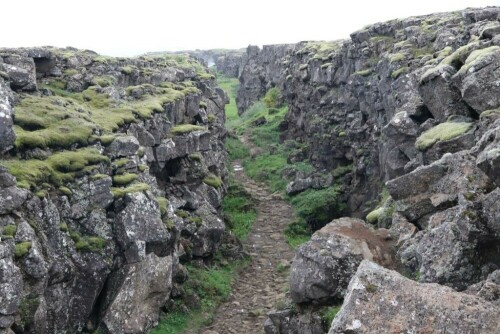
{"x": 380, "y": 300}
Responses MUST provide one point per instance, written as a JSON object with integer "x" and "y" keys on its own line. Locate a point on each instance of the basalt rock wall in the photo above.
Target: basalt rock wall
{"x": 119, "y": 172}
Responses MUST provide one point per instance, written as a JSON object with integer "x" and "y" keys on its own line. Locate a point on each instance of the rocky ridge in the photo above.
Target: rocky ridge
{"x": 409, "y": 109}
{"x": 112, "y": 177}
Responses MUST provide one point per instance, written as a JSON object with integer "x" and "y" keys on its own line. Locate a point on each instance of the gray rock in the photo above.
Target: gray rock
{"x": 6, "y": 180}
{"x": 142, "y": 288}
{"x": 290, "y": 322}
{"x": 381, "y": 300}
{"x": 7, "y": 135}
{"x": 12, "y": 198}
{"x": 21, "y": 71}
{"x": 322, "y": 267}
{"x": 140, "y": 220}
{"x": 124, "y": 146}
{"x": 439, "y": 95}
{"x": 11, "y": 287}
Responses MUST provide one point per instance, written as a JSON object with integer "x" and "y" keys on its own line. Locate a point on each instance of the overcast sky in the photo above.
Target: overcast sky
{"x": 126, "y": 28}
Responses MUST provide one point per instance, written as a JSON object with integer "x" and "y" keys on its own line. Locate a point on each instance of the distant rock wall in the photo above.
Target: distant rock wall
{"x": 100, "y": 222}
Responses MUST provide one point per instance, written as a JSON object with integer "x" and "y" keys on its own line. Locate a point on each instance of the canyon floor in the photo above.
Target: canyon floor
{"x": 261, "y": 285}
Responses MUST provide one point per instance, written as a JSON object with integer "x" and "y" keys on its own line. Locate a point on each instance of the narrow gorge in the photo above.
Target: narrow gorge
{"x": 350, "y": 186}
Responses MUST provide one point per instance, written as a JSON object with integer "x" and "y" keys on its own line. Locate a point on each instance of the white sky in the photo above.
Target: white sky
{"x": 126, "y": 28}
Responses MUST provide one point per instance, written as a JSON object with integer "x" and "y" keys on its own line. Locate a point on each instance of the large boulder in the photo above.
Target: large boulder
{"x": 21, "y": 72}
{"x": 379, "y": 300}
{"x": 479, "y": 79}
{"x": 12, "y": 198}
{"x": 290, "y": 322}
{"x": 139, "y": 226}
{"x": 141, "y": 289}
{"x": 439, "y": 94}
{"x": 322, "y": 267}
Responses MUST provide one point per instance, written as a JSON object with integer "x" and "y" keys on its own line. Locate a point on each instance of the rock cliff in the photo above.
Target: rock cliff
{"x": 112, "y": 175}
{"x": 410, "y": 109}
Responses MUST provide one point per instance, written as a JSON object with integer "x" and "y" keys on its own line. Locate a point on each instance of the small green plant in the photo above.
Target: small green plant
{"x": 373, "y": 216}
{"x": 63, "y": 227}
{"x": 239, "y": 210}
{"x": 398, "y": 72}
{"x": 22, "y": 248}
{"x": 196, "y": 157}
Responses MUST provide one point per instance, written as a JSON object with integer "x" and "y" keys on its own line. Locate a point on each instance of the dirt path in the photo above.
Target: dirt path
{"x": 260, "y": 286}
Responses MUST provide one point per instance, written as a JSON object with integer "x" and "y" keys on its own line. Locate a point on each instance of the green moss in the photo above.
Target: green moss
{"x": 57, "y": 169}
{"x": 127, "y": 70}
{"x": 41, "y": 193}
{"x": 142, "y": 168}
{"x": 398, "y": 72}
{"x": 181, "y": 213}
{"x": 96, "y": 177}
{"x": 477, "y": 56}
{"x": 66, "y": 191}
{"x": 202, "y": 105}
{"x": 123, "y": 180}
{"x": 169, "y": 223}
{"x": 441, "y": 132}
{"x": 213, "y": 180}
{"x": 397, "y": 57}
{"x": 163, "y": 204}
{"x": 196, "y": 220}
{"x": 27, "y": 309}
{"x": 63, "y": 227}
{"x": 9, "y": 230}
{"x": 134, "y": 188}
{"x": 120, "y": 162}
{"x": 329, "y": 313}
{"x": 341, "y": 171}
{"x": 211, "y": 118}
{"x": 4, "y": 75}
{"x": 320, "y": 50}
{"x": 373, "y": 216}
{"x": 196, "y": 157}
{"x": 364, "y": 73}
{"x": 70, "y": 72}
{"x": 90, "y": 244}
{"x": 272, "y": 97}
{"x": 185, "y": 128}
{"x": 22, "y": 248}
{"x": 107, "y": 139}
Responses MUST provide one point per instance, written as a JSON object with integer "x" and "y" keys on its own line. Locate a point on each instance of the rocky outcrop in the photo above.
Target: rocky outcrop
{"x": 380, "y": 300}
{"x": 103, "y": 190}
{"x": 408, "y": 111}
{"x": 323, "y": 267}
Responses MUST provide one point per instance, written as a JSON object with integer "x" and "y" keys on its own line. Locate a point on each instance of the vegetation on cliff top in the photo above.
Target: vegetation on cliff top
{"x": 441, "y": 132}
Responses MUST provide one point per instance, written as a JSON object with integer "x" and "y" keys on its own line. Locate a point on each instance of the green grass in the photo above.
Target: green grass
{"x": 329, "y": 313}
{"x": 297, "y": 232}
{"x": 212, "y": 286}
{"x": 87, "y": 243}
{"x": 318, "y": 207}
{"x": 272, "y": 97}
{"x": 230, "y": 86}
{"x": 236, "y": 149}
{"x": 441, "y": 132}
{"x": 239, "y": 210}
